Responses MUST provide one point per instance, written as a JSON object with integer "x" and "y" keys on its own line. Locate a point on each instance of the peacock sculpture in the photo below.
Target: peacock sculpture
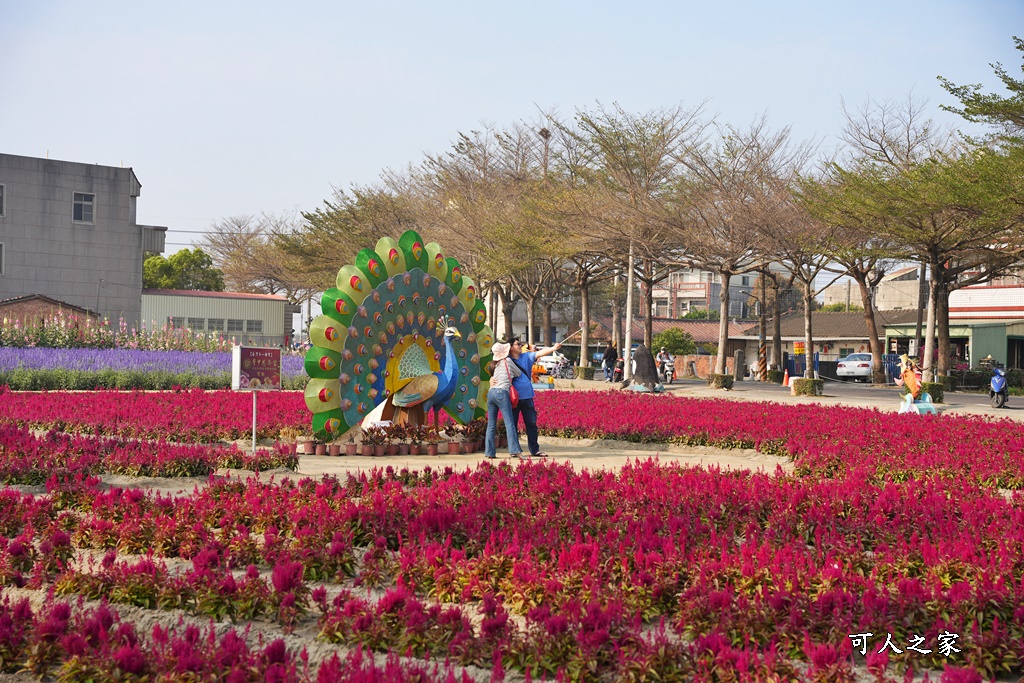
{"x": 401, "y": 334}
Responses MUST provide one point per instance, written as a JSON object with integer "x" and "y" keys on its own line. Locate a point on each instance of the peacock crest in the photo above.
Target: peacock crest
{"x": 381, "y": 350}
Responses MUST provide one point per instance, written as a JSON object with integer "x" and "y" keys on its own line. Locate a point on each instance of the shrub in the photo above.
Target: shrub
{"x": 720, "y": 381}
{"x": 948, "y": 382}
{"x": 584, "y": 373}
{"x": 935, "y": 390}
{"x": 776, "y": 376}
{"x": 808, "y": 386}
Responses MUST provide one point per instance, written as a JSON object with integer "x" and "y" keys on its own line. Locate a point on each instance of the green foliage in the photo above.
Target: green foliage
{"x": 721, "y": 381}
{"x": 701, "y": 314}
{"x": 934, "y": 389}
{"x": 186, "y": 269}
{"x": 675, "y": 341}
{"x": 990, "y": 108}
{"x": 776, "y": 376}
{"x": 585, "y": 373}
{"x": 808, "y": 386}
{"x": 57, "y": 379}
{"x": 839, "y": 308}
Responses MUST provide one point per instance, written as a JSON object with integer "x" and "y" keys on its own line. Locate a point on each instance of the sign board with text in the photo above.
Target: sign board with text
{"x": 255, "y": 369}
{"x": 799, "y": 348}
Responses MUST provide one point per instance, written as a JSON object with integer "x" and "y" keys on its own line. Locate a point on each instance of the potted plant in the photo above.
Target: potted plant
{"x": 351, "y": 447}
{"x": 373, "y": 441}
{"x": 334, "y": 449}
{"x": 476, "y": 430}
{"x": 290, "y": 434}
{"x": 454, "y": 432}
{"x": 500, "y": 437}
{"x": 379, "y": 438}
{"x": 321, "y": 448}
{"x": 415, "y": 436}
{"x": 432, "y": 438}
{"x": 394, "y": 435}
{"x": 390, "y": 440}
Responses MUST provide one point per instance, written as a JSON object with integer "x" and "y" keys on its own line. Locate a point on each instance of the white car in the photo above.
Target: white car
{"x": 856, "y": 366}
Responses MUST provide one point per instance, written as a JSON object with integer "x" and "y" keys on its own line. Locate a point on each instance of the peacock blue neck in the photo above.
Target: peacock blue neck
{"x": 451, "y": 365}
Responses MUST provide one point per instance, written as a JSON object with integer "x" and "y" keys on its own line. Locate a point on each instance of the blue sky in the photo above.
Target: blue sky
{"x": 229, "y": 108}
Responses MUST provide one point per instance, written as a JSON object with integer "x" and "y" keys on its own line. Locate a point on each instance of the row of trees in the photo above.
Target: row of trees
{"x": 569, "y": 204}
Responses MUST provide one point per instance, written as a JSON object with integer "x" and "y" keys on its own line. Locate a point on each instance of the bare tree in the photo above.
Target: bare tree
{"x": 733, "y": 189}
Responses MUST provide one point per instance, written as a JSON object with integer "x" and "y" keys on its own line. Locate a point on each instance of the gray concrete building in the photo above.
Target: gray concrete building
{"x": 68, "y": 232}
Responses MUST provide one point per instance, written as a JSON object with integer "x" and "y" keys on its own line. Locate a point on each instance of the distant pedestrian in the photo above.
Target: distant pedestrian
{"x": 611, "y": 355}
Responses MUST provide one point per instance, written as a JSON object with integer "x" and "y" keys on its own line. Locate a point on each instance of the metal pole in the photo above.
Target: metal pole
{"x": 254, "y": 423}
{"x": 627, "y": 346}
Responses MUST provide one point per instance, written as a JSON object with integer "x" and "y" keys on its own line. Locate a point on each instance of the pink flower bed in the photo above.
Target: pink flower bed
{"x": 826, "y": 441}
{"x": 654, "y": 571}
{"x": 194, "y": 415}
{"x": 69, "y": 643}
{"x": 31, "y": 459}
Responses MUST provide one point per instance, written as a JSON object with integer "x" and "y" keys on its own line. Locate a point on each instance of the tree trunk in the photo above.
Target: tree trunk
{"x": 508, "y": 307}
{"x": 648, "y": 314}
{"x": 648, "y": 268}
{"x": 723, "y": 324}
{"x": 627, "y": 344}
{"x": 808, "y": 335}
{"x": 584, "y": 360}
{"x": 531, "y": 320}
{"x": 928, "y": 357}
{"x": 762, "y": 333}
{"x": 546, "y": 318}
{"x": 877, "y": 367}
{"x": 943, "y": 322}
{"x": 776, "y": 328}
{"x": 492, "y": 308}
{"x": 616, "y": 313}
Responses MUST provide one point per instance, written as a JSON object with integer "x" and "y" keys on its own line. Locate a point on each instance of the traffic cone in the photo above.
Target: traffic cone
{"x": 785, "y": 378}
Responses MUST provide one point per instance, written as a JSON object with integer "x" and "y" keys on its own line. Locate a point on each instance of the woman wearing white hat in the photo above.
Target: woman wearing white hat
{"x": 503, "y": 370}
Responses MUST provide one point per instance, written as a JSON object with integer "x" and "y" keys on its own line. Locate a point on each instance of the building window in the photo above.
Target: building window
{"x": 195, "y": 324}
{"x": 3, "y": 199}
{"x": 175, "y": 323}
{"x": 236, "y": 326}
{"x": 254, "y": 326}
{"x": 84, "y": 203}
{"x": 745, "y": 281}
{"x": 3, "y": 257}
{"x": 215, "y": 324}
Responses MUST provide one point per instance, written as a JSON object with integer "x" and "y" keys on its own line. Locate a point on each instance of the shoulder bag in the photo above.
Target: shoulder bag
{"x": 512, "y": 393}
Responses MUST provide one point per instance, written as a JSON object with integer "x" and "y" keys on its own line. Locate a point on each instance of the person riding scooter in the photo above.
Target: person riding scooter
{"x": 666, "y": 366}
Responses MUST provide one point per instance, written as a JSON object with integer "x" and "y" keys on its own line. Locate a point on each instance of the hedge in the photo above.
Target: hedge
{"x": 21, "y": 379}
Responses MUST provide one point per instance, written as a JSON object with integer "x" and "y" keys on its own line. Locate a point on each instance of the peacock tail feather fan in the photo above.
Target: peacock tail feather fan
{"x": 382, "y": 327}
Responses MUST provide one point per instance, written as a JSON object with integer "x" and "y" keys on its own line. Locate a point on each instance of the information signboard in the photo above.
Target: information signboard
{"x": 255, "y": 369}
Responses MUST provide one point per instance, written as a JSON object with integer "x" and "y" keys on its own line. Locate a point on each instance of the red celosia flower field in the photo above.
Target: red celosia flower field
{"x": 26, "y": 458}
{"x": 900, "y": 527}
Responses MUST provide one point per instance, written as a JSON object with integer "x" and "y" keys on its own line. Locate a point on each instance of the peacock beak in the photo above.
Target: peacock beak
{"x": 458, "y": 335}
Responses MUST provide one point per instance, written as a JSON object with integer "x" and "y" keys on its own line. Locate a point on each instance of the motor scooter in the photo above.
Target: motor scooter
{"x": 666, "y": 371}
{"x": 998, "y": 391}
{"x": 620, "y": 367}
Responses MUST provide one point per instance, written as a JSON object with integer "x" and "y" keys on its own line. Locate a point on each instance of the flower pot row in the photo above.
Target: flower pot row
{"x": 310, "y": 447}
